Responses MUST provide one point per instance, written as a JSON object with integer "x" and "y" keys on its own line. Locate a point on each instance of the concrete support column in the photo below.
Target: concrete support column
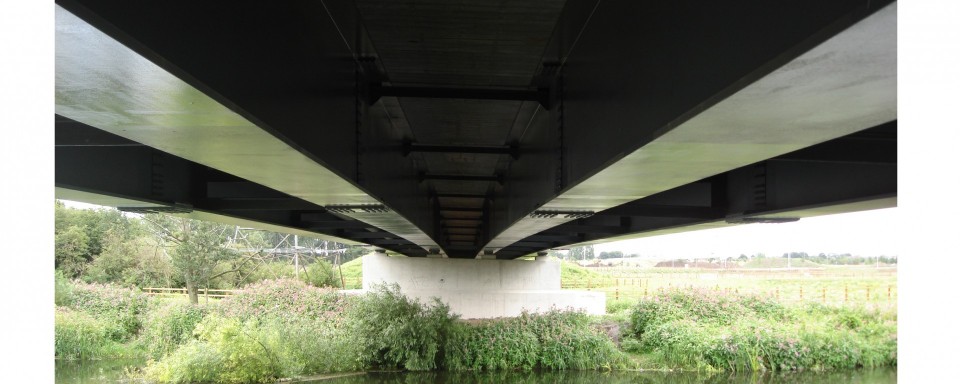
{"x": 478, "y": 288}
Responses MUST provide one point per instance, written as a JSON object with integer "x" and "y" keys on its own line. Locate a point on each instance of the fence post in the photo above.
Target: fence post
{"x": 888, "y": 294}
{"x": 801, "y": 293}
{"x": 617, "y": 294}
{"x": 824, "y": 297}
{"x": 868, "y": 294}
{"x": 846, "y": 291}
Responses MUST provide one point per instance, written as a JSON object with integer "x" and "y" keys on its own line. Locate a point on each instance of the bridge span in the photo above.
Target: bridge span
{"x": 477, "y": 129}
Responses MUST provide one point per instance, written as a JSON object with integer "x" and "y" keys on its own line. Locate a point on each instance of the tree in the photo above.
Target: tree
{"x": 71, "y": 251}
{"x": 582, "y": 253}
{"x": 130, "y": 262}
{"x": 195, "y": 248}
{"x": 80, "y": 235}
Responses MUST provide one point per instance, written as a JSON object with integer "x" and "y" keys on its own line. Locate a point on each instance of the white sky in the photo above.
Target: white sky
{"x": 867, "y": 233}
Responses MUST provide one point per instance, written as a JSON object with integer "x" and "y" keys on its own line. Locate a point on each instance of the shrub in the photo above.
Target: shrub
{"x": 227, "y": 351}
{"x": 62, "y": 289}
{"x": 619, "y": 306}
{"x": 195, "y": 361}
{"x": 170, "y": 326}
{"x": 491, "y": 346}
{"x": 321, "y": 274}
{"x": 393, "y": 331}
{"x": 284, "y": 298}
{"x": 78, "y": 335}
{"x": 307, "y": 346}
{"x": 749, "y": 333}
{"x": 120, "y": 308}
{"x": 555, "y": 340}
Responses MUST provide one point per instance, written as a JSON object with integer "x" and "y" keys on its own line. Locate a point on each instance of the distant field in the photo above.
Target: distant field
{"x": 806, "y": 281}
{"x": 833, "y": 285}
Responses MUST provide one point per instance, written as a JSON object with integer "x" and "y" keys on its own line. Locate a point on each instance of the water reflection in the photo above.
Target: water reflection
{"x": 114, "y": 371}
{"x": 877, "y": 376}
{"x": 94, "y": 372}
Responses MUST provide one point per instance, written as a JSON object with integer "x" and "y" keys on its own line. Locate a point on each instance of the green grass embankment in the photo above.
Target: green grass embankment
{"x": 285, "y": 328}
{"x": 704, "y": 330}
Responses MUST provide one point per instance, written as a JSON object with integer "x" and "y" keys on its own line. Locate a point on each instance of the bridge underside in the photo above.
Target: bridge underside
{"x": 478, "y": 128}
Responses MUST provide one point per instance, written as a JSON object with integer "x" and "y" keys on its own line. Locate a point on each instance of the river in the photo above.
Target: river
{"x": 113, "y": 371}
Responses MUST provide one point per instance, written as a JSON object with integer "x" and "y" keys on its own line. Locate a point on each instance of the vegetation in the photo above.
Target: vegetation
{"x": 395, "y": 332}
{"x": 779, "y": 263}
{"x": 352, "y": 273}
{"x": 107, "y": 246}
{"x": 555, "y": 340}
{"x": 704, "y": 330}
{"x": 292, "y": 322}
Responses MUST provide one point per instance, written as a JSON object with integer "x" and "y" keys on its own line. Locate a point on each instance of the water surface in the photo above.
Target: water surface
{"x": 114, "y": 371}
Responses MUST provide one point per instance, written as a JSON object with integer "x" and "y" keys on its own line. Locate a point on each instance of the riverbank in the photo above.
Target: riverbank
{"x": 286, "y": 329}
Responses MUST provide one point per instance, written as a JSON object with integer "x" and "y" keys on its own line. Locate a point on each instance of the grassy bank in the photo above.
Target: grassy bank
{"x": 286, "y": 328}
{"x": 828, "y": 285}
{"x": 705, "y": 330}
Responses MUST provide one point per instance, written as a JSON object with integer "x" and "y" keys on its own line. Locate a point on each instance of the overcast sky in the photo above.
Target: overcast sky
{"x": 867, "y": 233}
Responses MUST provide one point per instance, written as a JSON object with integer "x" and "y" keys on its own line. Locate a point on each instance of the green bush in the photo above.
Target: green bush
{"x": 121, "y": 308}
{"x": 62, "y": 289}
{"x": 171, "y": 325}
{"x": 396, "y": 332}
{"x": 499, "y": 345}
{"x": 306, "y": 346}
{"x": 555, "y": 340}
{"x": 619, "y": 306}
{"x": 78, "y": 335}
{"x": 321, "y": 274}
{"x": 194, "y": 362}
{"x": 284, "y": 298}
{"x": 227, "y": 351}
{"x": 747, "y": 333}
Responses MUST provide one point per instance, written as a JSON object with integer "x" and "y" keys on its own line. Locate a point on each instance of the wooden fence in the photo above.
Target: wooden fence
{"x": 217, "y": 293}
{"x": 634, "y": 289}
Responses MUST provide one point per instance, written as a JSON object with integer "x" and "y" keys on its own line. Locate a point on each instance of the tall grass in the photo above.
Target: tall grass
{"x": 62, "y": 289}
{"x": 704, "y": 330}
{"x": 394, "y": 331}
{"x": 556, "y": 340}
{"x": 273, "y": 329}
{"x": 170, "y": 325}
{"x": 121, "y": 309}
{"x": 78, "y": 335}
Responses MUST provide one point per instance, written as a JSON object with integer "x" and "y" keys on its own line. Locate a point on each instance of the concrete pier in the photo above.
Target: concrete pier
{"x": 479, "y": 289}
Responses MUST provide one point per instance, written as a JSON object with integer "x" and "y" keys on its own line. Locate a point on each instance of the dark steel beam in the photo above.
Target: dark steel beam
{"x": 642, "y": 210}
{"x": 586, "y": 229}
{"x": 334, "y": 225}
{"x": 512, "y": 150}
{"x": 387, "y": 242}
{"x": 240, "y": 190}
{"x": 460, "y": 231}
{"x": 458, "y": 93}
{"x": 446, "y": 225}
{"x": 428, "y": 176}
{"x": 555, "y": 239}
{"x": 460, "y": 209}
{"x": 365, "y": 235}
{"x": 261, "y": 204}
{"x": 70, "y": 133}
